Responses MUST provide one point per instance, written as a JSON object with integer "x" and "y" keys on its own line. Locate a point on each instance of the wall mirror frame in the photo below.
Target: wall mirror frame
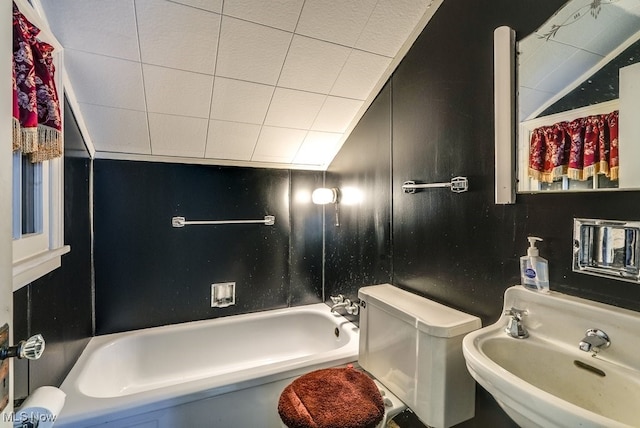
{"x": 569, "y": 68}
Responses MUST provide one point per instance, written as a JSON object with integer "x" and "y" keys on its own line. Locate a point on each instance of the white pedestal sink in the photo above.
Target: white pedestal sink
{"x": 545, "y": 380}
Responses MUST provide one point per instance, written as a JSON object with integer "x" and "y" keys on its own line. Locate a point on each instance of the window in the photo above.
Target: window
{"x": 30, "y": 207}
{"x": 38, "y": 194}
{"x": 37, "y": 218}
{"x": 564, "y": 183}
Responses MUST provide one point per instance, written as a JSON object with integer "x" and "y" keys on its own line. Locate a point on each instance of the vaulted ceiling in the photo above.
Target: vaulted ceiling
{"x": 276, "y": 83}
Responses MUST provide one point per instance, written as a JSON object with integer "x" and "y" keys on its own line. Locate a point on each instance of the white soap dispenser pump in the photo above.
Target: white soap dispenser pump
{"x": 534, "y": 270}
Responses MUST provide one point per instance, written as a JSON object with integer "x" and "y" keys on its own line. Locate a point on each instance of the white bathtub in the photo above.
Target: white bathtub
{"x": 227, "y": 372}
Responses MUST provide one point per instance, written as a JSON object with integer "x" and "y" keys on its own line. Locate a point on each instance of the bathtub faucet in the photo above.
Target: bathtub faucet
{"x": 340, "y": 302}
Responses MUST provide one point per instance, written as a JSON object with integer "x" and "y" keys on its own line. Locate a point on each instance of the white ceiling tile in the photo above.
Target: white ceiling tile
{"x": 529, "y": 100}
{"x": 312, "y": 65}
{"x": 575, "y": 25}
{"x": 293, "y": 109}
{"x": 177, "y": 92}
{"x": 117, "y": 130}
{"x": 252, "y": 52}
{"x": 529, "y": 52}
{"x": 177, "y": 36}
{"x": 390, "y": 25}
{"x": 231, "y": 140}
{"x": 282, "y": 14}
{"x": 629, "y": 6}
{"x": 210, "y": 5}
{"x": 541, "y": 70}
{"x": 105, "y": 81}
{"x": 240, "y": 101}
{"x": 336, "y": 114}
{"x": 102, "y": 27}
{"x": 182, "y": 44}
{"x": 336, "y": 21}
{"x": 177, "y": 135}
{"x": 567, "y": 70}
{"x": 317, "y": 148}
{"x": 278, "y": 144}
{"x": 360, "y": 75}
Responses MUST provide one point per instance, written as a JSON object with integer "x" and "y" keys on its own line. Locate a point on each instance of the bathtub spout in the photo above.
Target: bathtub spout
{"x": 340, "y": 305}
{"x": 350, "y": 308}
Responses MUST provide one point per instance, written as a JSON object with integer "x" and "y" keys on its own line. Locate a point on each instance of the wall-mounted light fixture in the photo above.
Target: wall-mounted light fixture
{"x": 324, "y": 196}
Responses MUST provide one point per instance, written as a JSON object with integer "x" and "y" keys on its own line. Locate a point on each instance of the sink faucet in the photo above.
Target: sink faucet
{"x": 515, "y": 328}
{"x": 594, "y": 340}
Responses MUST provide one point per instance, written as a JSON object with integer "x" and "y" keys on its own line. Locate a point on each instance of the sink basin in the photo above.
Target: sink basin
{"x": 546, "y": 380}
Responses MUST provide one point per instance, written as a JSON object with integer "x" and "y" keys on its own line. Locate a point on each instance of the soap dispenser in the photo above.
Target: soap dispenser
{"x": 534, "y": 270}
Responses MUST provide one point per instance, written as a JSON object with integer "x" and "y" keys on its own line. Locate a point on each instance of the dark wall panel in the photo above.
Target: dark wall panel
{"x": 358, "y": 252}
{"x": 149, "y": 273}
{"x": 462, "y": 249}
{"x": 306, "y": 239}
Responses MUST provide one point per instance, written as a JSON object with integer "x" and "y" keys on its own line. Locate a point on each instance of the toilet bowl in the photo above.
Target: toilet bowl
{"x": 392, "y": 404}
{"x": 412, "y": 348}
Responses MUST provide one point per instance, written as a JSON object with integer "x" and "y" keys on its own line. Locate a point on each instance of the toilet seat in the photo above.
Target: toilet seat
{"x": 333, "y": 398}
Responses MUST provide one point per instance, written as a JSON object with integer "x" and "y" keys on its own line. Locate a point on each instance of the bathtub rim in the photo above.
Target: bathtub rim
{"x": 93, "y": 410}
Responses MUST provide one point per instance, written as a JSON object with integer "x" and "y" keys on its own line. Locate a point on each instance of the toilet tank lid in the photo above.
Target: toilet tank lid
{"x": 426, "y": 315}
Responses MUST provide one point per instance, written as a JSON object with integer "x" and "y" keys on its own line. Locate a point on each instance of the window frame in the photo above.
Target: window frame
{"x": 35, "y": 255}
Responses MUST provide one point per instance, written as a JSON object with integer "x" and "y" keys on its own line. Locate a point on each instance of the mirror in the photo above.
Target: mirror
{"x": 571, "y": 64}
{"x": 607, "y": 248}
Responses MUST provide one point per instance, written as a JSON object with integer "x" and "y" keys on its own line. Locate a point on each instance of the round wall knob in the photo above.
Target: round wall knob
{"x": 31, "y": 349}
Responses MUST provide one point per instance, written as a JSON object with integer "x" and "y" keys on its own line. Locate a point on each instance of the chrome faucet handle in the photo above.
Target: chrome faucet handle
{"x": 516, "y": 313}
{"x": 515, "y": 328}
{"x": 353, "y": 308}
{"x": 337, "y": 299}
{"x": 594, "y": 340}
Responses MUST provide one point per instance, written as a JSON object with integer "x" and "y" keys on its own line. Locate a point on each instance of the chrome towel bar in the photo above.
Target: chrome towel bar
{"x": 457, "y": 185}
{"x": 269, "y": 220}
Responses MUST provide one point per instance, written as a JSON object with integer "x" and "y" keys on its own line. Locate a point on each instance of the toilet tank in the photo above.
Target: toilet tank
{"x": 413, "y": 346}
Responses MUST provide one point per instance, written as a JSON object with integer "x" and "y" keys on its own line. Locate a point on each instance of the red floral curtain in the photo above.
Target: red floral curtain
{"x": 578, "y": 149}
{"x": 37, "y": 122}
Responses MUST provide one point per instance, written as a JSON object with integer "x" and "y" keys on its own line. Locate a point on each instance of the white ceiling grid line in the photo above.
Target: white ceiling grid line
{"x": 144, "y": 91}
{"x": 247, "y": 82}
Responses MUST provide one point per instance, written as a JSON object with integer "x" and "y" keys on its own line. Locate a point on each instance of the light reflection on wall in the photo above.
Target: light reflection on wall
{"x": 351, "y": 196}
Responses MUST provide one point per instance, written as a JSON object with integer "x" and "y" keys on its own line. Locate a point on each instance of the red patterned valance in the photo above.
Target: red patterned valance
{"x": 578, "y": 149}
{"x": 37, "y": 122}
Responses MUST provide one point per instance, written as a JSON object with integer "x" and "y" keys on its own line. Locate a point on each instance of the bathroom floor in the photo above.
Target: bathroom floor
{"x": 406, "y": 419}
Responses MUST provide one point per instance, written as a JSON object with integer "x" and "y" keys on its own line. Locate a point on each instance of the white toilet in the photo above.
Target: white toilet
{"x": 412, "y": 346}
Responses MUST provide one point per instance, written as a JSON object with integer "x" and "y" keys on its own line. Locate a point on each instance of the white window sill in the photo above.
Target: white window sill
{"x": 32, "y": 268}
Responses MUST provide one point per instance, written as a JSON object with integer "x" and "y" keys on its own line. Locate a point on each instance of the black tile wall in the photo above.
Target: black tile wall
{"x": 306, "y": 240}
{"x": 149, "y": 273}
{"x": 433, "y": 121}
{"x": 359, "y": 250}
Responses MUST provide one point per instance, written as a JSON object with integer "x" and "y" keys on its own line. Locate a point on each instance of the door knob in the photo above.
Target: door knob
{"x": 31, "y": 349}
